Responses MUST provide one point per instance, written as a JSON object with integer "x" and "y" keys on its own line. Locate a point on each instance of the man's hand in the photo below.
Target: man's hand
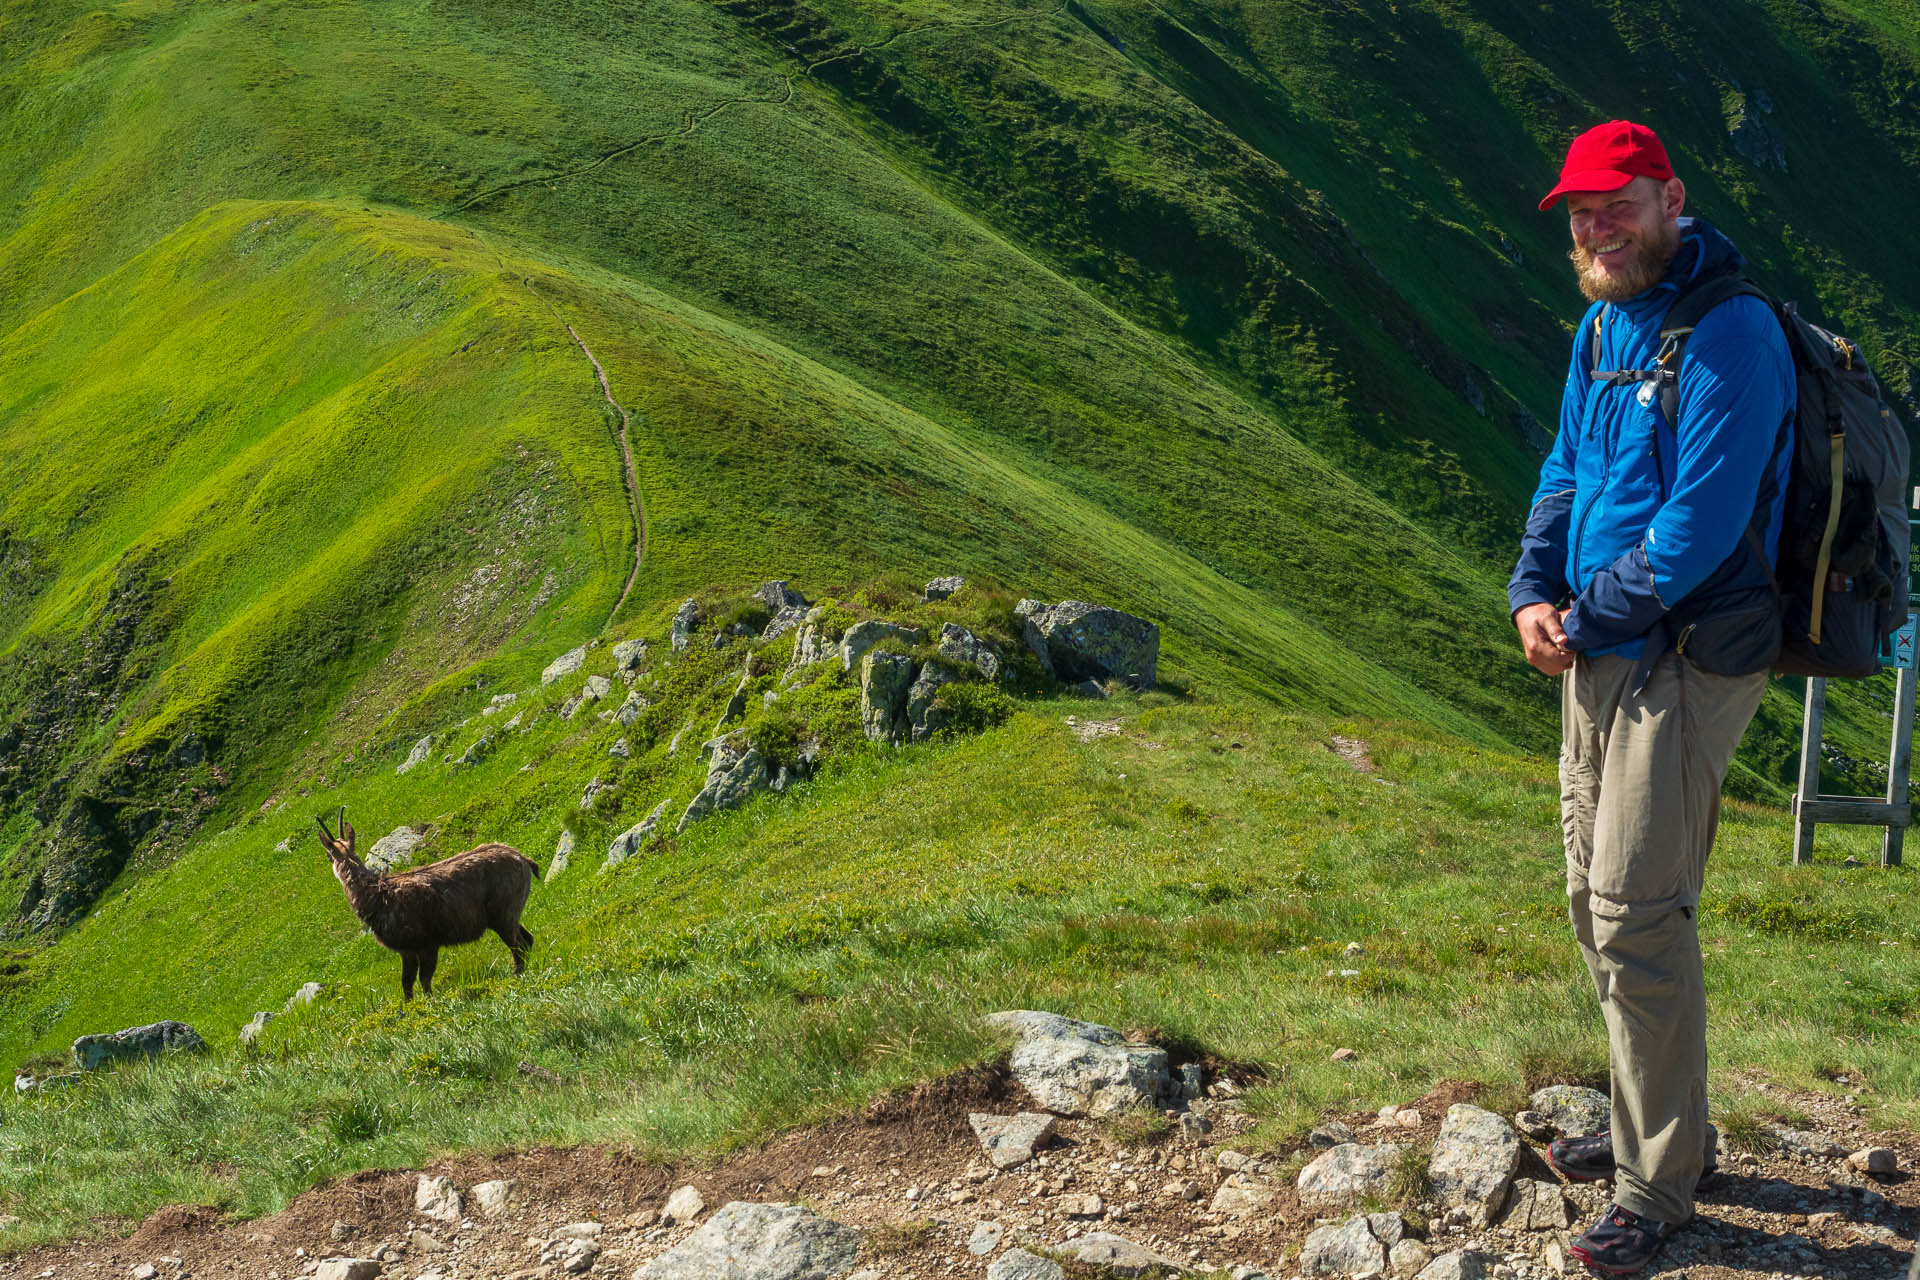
{"x": 1544, "y": 636}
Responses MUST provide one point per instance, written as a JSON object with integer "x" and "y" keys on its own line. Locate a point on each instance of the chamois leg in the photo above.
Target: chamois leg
{"x": 429, "y": 961}
{"x": 519, "y": 942}
{"x": 409, "y": 963}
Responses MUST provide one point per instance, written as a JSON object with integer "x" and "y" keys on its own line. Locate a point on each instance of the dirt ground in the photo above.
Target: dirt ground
{"x": 911, "y": 1172}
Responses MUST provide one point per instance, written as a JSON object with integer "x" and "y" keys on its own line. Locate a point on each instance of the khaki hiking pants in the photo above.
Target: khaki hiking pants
{"x": 1640, "y": 779}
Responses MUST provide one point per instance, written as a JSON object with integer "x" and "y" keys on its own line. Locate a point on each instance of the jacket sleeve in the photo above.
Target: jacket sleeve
{"x": 1736, "y": 388}
{"x": 1541, "y": 575}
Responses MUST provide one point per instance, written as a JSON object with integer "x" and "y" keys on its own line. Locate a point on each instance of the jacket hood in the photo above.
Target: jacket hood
{"x": 1703, "y": 251}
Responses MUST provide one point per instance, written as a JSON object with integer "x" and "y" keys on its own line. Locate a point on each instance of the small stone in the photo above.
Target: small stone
{"x": 491, "y": 1198}
{"x": 255, "y": 1027}
{"x": 1117, "y": 1254}
{"x": 684, "y": 1205}
{"x": 1535, "y": 1125}
{"x": 1408, "y": 1258}
{"x": 347, "y": 1269}
{"x": 416, "y": 757}
{"x": 1354, "y": 1247}
{"x": 564, "y": 665}
{"x": 1018, "y": 1264}
{"x": 1408, "y": 1117}
{"x": 1535, "y": 1206}
{"x": 1344, "y": 1055}
{"x": 579, "y": 1231}
{"x": 1474, "y": 1160}
{"x": 422, "y": 1242}
{"x": 1875, "y": 1160}
{"x": 144, "y": 1271}
{"x": 341, "y": 1230}
{"x": 1808, "y": 1143}
{"x": 619, "y": 750}
{"x": 941, "y": 588}
{"x": 1353, "y": 951}
{"x": 1329, "y": 1135}
{"x": 780, "y": 1240}
{"x": 628, "y": 654}
{"x": 1348, "y": 1173}
{"x": 1081, "y": 1205}
{"x": 1462, "y": 1264}
{"x": 1555, "y": 1258}
{"x": 437, "y": 1198}
{"x": 1234, "y": 1161}
{"x": 985, "y": 1238}
{"x": 1010, "y": 1141}
{"x": 1194, "y": 1126}
{"x": 1573, "y": 1110}
{"x": 579, "y": 1256}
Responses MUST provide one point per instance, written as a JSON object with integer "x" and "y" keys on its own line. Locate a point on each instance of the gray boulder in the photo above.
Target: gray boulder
{"x": 957, "y": 644}
{"x": 885, "y": 681}
{"x": 1354, "y": 1247}
{"x": 256, "y": 1026}
{"x": 307, "y": 994}
{"x": 630, "y": 709}
{"x": 1575, "y": 1110}
{"x": 746, "y": 1241}
{"x": 1461, "y": 1264}
{"x": 1028, "y": 611}
{"x": 475, "y": 754}
{"x": 564, "y": 665}
{"x": 736, "y": 704}
{"x": 1117, "y": 1255}
{"x": 628, "y": 842}
{"x": 562, "y": 854}
{"x": 941, "y": 588}
{"x": 812, "y": 643}
{"x": 150, "y": 1041}
{"x": 685, "y": 619}
{"x": 1018, "y": 1264}
{"x": 629, "y": 654}
{"x": 347, "y": 1269}
{"x": 1474, "y": 1160}
{"x": 1010, "y": 1141}
{"x": 924, "y": 718}
{"x": 596, "y": 688}
{"x": 784, "y": 621}
{"x": 1534, "y": 1206}
{"x": 778, "y": 595}
{"x": 862, "y": 636}
{"x": 1092, "y": 642}
{"x": 731, "y": 782}
{"x": 416, "y": 757}
{"x": 1075, "y": 1068}
{"x": 395, "y": 847}
{"x": 1347, "y": 1173}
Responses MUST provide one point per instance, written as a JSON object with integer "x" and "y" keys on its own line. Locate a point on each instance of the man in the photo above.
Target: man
{"x": 1646, "y": 561}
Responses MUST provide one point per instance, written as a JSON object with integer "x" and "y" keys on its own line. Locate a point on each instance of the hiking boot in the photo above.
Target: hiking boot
{"x": 1621, "y": 1243}
{"x": 1590, "y": 1159}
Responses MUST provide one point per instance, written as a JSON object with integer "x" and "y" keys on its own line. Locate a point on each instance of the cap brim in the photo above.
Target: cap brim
{"x": 1586, "y": 180}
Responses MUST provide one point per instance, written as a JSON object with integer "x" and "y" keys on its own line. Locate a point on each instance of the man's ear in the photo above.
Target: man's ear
{"x": 1674, "y": 196}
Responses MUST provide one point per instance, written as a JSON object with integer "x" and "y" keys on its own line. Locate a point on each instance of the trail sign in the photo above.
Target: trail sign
{"x": 1898, "y": 650}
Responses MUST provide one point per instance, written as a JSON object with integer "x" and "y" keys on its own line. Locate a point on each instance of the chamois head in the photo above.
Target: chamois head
{"x": 340, "y": 848}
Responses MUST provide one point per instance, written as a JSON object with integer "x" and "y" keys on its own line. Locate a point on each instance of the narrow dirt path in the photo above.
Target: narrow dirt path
{"x": 637, "y": 509}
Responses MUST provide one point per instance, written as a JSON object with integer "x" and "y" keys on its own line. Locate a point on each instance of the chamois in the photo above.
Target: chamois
{"x": 442, "y": 905}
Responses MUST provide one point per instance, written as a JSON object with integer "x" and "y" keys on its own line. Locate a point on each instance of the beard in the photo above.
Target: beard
{"x": 1649, "y": 265}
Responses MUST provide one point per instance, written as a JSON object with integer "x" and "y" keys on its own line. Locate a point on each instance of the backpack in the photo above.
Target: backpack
{"x": 1841, "y": 582}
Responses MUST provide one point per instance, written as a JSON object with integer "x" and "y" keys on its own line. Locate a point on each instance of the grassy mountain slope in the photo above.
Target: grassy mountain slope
{"x": 1240, "y": 317}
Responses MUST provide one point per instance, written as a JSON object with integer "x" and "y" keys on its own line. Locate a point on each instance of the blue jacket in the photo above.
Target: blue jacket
{"x": 1633, "y": 517}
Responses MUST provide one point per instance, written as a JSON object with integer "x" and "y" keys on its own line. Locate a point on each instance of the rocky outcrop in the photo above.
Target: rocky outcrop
{"x": 93, "y": 1052}
{"x": 941, "y": 588}
{"x": 862, "y": 636}
{"x": 395, "y": 847}
{"x": 734, "y": 776}
{"x": 628, "y": 655}
{"x": 564, "y": 665}
{"x": 813, "y": 643}
{"x": 416, "y": 757}
{"x": 746, "y": 1241}
{"x": 1075, "y": 1068}
{"x": 886, "y": 680}
{"x": 959, "y": 645}
{"x": 925, "y": 716}
{"x": 1092, "y": 642}
{"x": 628, "y": 842}
{"x": 685, "y": 619}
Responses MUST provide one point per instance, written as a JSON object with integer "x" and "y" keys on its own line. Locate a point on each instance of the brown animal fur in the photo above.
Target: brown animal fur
{"x": 442, "y": 905}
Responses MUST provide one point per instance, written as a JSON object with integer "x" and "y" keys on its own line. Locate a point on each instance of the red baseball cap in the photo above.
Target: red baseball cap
{"x": 1608, "y": 157}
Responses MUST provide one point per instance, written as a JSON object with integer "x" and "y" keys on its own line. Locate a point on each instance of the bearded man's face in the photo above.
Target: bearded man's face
{"x": 1623, "y": 241}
